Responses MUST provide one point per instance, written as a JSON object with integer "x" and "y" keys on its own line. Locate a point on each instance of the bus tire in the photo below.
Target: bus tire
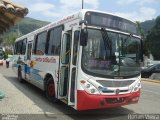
{"x": 50, "y": 90}
{"x": 19, "y": 76}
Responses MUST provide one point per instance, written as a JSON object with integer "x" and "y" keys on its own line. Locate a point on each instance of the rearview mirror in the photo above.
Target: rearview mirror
{"x": 83, "y": 37}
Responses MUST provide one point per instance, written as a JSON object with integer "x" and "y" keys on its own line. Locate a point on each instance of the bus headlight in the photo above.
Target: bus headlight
{"x": 136, "y": 87}
{"x": 88, "y": 87}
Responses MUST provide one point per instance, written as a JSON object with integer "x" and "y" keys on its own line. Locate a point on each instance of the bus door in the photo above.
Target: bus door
{"x": 67, "y": 72}
{"x": 28, "y": 60}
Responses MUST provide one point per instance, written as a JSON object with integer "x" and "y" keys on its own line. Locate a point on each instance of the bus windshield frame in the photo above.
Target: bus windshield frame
{"x": 124, "y": 54}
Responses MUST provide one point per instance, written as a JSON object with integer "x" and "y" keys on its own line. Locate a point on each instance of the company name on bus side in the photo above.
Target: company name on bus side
{"x": 46, "y": 59}
{"x": 66, "y": 19}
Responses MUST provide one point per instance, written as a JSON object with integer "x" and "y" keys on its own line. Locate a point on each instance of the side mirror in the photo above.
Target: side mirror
{"x": 83, "y": 37}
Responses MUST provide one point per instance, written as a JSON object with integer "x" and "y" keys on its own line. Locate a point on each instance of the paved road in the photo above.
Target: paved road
{"x": 30, "y": 101}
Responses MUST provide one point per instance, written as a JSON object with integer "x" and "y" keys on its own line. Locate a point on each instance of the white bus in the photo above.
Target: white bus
{"x": 88, "y": 60}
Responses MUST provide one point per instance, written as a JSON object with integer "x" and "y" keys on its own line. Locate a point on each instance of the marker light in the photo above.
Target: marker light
{"x": 136, "y": 87}
{"x": 83, "y": 82}
{"x": 88, "y": 87}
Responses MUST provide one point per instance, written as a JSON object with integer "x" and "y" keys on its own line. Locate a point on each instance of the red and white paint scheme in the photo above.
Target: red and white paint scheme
{"x": 88, "y": 60}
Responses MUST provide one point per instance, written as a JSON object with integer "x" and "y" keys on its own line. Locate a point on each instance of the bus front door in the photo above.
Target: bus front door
{"x": 64, "y": 67}
{"x": 67, "y": 72}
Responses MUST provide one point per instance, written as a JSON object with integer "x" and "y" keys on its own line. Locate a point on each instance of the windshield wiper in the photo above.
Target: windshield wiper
{"x": 107, "y": 42}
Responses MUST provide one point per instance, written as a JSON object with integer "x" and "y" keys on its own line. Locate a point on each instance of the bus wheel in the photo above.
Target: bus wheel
{"x": 50, "y": 90}
{"x": 20, "y": 76}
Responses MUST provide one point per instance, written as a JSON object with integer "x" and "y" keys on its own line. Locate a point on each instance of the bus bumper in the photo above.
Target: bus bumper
{"x": 87, "y": 101}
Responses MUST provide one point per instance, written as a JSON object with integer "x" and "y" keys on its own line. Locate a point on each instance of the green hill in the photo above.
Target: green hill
{"x": 147, "y": 25}
{"x": 25, "y": 26}
{"x": 28, "y": 25}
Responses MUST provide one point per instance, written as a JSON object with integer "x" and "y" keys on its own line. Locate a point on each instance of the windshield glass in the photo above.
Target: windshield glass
{"x": 111, "y": 54}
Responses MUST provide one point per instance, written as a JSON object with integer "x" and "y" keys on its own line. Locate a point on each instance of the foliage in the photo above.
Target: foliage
{"x": 147, "y": 25}
{"x": 23, "y": 27}
{"x": 8, "y": 52}
{"x": 9, "y": 40}
{"x": 153, "y": 39}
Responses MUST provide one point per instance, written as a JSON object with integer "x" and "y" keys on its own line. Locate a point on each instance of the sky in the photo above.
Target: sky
{"x": 51, "y": 10}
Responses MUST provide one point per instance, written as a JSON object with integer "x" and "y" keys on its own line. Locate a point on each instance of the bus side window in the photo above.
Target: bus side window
{"x": 24, "y": 43}
{"x": 65, "y": 48}
{"x": 18, "y": 46}
{"x": 29, "y": 51}
{"x": 53, "y": 43}
{"x": 15, "y": 48}
{"x": 75, "y": 47}
{"x": 40, "y": 43}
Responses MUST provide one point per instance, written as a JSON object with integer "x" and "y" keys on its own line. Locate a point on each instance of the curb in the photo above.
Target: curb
{"x": 149, "y": 80}
{"x": 2, "y": 95}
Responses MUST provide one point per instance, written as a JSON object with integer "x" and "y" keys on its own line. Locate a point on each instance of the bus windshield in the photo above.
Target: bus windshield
{"x": 111, "y": 54}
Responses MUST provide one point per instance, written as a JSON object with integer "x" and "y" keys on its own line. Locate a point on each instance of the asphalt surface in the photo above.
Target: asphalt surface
{"x": 27, "y": 102}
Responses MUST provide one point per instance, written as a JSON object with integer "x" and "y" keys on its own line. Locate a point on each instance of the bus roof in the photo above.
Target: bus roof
{"x": 80, "y": 14}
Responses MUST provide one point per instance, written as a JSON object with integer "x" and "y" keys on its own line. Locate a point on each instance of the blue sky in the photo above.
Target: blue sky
{"x": 51, "y": 10}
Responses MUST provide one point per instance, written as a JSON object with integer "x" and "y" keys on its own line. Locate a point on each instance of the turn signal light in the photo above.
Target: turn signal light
{"x": 83, "y": 81}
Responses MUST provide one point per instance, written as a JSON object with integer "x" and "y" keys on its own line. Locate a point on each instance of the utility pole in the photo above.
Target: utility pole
{"x": 18, "y": 30}
{"x": 82, "y": 4}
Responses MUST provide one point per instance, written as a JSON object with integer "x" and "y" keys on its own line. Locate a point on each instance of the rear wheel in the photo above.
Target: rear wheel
{"x": 50, "y": 90}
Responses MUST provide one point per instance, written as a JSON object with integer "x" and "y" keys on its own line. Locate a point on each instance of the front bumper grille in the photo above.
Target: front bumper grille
{"x": 112, "y": 91}
{"x": 115, "y": 83}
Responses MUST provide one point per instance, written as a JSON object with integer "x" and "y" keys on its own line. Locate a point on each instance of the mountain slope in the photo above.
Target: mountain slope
{"x": 147, "y": 25}
{"x": 28, "y": 25}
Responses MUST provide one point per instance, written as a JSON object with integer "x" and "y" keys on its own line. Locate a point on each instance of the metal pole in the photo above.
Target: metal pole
{"x": 18, "y": 30}
{"x": 82, "y": 4}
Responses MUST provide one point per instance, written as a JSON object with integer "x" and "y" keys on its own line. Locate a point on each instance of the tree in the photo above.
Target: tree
{"x": 153, "y": 40}
{"x": 9, "y": 40}
{"x": 146, "y": 51}
{"x": 141, "y": 31}
{"x": 1, "y": 40}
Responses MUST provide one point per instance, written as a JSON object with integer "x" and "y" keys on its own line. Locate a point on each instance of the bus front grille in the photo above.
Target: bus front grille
{"x": 114, "y": 83}
{"x": 112, "y": 91}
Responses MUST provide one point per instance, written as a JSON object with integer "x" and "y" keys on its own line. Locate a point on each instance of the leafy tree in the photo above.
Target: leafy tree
{"x": 1, "y": 40}
{"x": 143, "y": 35}
{"x": 9, "y": 40}
{"x": 153, "y": 40}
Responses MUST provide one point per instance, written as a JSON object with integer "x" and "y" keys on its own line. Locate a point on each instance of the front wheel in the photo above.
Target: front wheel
{"x": 50, "y": 90}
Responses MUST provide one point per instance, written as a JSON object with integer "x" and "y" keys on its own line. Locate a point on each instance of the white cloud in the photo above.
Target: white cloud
{"x": 77, "y": 3}
{"x": 143, "y": 14}
{"x": 40, "y": 7}
{"x": 94, "y": 3}
{"x": 66, "y": 7}
{"x": 139, "y": 2}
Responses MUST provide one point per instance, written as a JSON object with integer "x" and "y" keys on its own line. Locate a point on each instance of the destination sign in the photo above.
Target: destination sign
{"x": 111, "y": 22}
